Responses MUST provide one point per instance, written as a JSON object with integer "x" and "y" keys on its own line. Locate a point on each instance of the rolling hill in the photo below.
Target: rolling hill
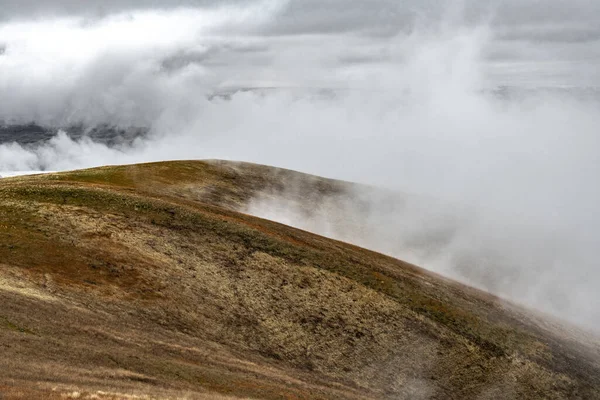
{"x": 146, "y": 281}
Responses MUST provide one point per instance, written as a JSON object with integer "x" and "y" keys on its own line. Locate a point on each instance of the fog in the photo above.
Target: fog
{"x": 490, "y": 109}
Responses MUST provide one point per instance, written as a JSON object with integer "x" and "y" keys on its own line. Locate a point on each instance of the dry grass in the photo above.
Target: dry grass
{"x": 144, "y": 281}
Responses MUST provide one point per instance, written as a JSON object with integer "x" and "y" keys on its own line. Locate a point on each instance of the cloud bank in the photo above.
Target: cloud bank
{"x": 403, "y": 97}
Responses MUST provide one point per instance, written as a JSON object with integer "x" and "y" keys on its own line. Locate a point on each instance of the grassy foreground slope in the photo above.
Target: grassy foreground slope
{"x": 144, "y": 282}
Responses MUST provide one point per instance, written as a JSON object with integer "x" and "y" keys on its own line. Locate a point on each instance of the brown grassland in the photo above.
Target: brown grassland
{"x": 144, "y": 281}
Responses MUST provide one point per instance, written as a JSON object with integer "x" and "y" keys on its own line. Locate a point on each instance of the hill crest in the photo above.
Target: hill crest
{"x": 145, "y": 279}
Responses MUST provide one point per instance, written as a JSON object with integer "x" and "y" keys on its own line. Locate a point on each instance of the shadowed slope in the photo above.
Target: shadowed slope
{"x": 144, "y": 279}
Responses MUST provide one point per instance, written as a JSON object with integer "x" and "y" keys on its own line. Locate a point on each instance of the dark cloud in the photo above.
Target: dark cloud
{"x": 524, "y": 19}
{"x": 526, "y": 12}
{"x": 363, "y": 58}
{"x": 553, "y": 34}
{"x": 216, "y": 55}
{"x": 36, "y": 8}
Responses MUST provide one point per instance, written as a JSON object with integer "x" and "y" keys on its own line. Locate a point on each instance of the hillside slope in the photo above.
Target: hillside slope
{"x": 143, "y": 280}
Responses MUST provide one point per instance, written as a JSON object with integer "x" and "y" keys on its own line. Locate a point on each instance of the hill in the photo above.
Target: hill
{"x": 144, "y": 281}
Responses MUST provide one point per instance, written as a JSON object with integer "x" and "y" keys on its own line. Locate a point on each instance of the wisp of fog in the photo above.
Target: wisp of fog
{"x": 491, "y": 117}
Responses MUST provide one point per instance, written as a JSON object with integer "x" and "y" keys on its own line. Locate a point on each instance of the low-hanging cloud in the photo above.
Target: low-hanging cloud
{"x": 412, "y": 110}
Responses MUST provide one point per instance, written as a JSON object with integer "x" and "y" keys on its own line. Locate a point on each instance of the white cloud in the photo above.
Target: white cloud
{"x": 412, "y": 117}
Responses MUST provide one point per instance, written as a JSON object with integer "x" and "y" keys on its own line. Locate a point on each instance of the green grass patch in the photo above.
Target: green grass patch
{"x": 6, "y": 324}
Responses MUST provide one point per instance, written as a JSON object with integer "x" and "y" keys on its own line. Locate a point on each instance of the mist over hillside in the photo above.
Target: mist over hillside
{"x": 411, "y": 97}
{"x": 144, "y": 281}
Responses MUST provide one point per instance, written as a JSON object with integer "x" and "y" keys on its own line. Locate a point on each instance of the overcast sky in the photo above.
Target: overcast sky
{"x": 578, "y": 19}
{"x": 56, "y": 55}
{"x": 561, "y": 37}
{"x": 537, "y": 20}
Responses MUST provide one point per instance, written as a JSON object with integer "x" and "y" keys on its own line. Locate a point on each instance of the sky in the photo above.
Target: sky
{"x": 554, "y": 38}
{"x": 405, "y": 95}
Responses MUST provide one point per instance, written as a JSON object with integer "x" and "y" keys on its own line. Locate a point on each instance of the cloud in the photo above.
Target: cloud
{"x": 386, "y": 17}
{"x": 406, "y": 108}
{"x": 25, "y": 9}
{"x": 518, "y": 216}
{"x": 67, "y": 70}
